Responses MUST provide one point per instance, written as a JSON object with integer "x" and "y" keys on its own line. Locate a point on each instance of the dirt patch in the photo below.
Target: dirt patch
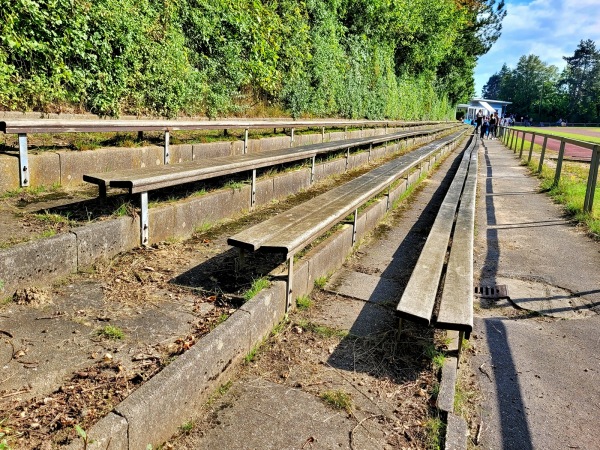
{"x": 385, "y": 385}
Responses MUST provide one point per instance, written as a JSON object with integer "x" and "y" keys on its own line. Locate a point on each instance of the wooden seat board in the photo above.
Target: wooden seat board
{"x": 143, "y": 180}
{"x": 297, "y": 227}
{"x": 418, "y": 299}
{"x": 456, "y": 304}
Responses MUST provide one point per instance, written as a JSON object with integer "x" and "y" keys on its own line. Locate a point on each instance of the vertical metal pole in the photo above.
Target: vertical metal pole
{"x": 167, "y": 154}
{"x": 561, "y": 154}
{"x": 245, "y": 141}
{"x": 531, "y": 147}
{"x": 347, "y": 157}
{"x": 24, "y": 173}
{"x": 354, "y": 222}
{"x": 346, "y": 132}
{"x": 387, "y": 200}
{"x": 292, "y": 138}
{"x": 511, "y": 139}
{"x": 289, "y": 283}
{"x": 592, "y": 180}
{"x": 140, "y": 136}
{"x": 322, "y": 134}
{"x": 370, "y": 152}
{"x": 253, "y": 189}
{"x": 144, "y": 218}
{"x": 542, "y": 154}
{"x": 312, "y": 169}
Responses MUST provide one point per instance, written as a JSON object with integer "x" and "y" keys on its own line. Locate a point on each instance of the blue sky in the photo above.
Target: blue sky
{"x": 549, "y": 29}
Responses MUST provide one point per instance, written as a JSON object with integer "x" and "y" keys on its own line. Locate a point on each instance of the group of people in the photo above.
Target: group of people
{"x": 487, "y": 125}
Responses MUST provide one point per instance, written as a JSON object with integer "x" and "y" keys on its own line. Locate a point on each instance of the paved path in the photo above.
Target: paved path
{"x": 539, "y": 374}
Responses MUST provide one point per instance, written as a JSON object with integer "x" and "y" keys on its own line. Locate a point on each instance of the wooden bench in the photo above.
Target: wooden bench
{"x": 296, "y": 228}
{"x": 451, "y": 237}
{"x": 141, "y": 181}
{"x": 22, "y": 128}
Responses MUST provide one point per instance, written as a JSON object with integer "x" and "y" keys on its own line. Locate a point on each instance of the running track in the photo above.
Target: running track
{"x": 572, "y": 151}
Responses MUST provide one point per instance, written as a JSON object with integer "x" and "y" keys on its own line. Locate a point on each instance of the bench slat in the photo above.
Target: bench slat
{"x": 143, "y": 180}
{"x": 297, "y": 227}
{"x": 456, "y": 304}
{"x": 418, "y": 299}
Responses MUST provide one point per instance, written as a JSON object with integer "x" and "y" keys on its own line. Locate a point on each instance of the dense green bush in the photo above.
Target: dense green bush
{"x": 350, "y": 58}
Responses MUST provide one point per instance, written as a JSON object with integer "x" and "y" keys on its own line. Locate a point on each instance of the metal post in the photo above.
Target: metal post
{"x": 24, "y": 175}
{"x": 167, "y": 155}
{"x": 347, "y": 157}
{"x": 387, "y": 201}
{"x": 245, "y": 141}
{"x": 140, "y": 136}
{"x": 522, "y": 145}
{"x": 253, "y": 189}
{"x": 592, "y": 180}
{"x": 292, "y": 138}
{"x": 312, "y": 169}
{"x": 561, "y": 154}
{"x": 531, "y": 147}
{"x": 542, "y": 154}
{"x": 354, "y": 222}
{"x": 144, "y": 218}
{"x": 323, "y": 134}
{"x": 346, "y": 132}
{"x": 289, "y": 283}
{"x": 370, "y": 152}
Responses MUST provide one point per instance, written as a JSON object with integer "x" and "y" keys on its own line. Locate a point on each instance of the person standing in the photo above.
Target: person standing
{"x": 493, "y": 124}
{"x": 485, "y": 125}
{"x": 479, "y": 121}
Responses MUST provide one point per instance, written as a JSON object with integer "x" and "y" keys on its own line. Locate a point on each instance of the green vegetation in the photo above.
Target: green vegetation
{"x": 302, "y": 303}
{"x": 257, "y": 285}
{"x": 321, "y": 282}
{"x": 338, "y": 400}
{"x": 437, "y": 357}
{"x": 187, "y": 427}
{"x": 350, "y": 58}
{"x": 579, "y": 137}
{"x": 436, "y": 430}
{"x": 111, "y": 332}
{"x": 538, "y": 89}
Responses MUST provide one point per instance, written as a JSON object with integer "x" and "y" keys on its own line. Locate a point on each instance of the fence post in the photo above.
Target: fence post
{"x": 543, "y": 152}
{"x": 522, "y": 145}
{"x": 561, "y": 154}
{"x": 531, "y": 147}
{"x": 592, "y": 180}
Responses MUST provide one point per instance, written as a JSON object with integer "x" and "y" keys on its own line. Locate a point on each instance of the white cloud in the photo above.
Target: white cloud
{"x": 549, "y": 29}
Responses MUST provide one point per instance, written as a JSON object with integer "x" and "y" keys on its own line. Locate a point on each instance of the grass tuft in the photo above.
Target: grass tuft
{"x": 257, "y": 285}
{"x": 338, "y": 400}
{"x": 111, "y": 332}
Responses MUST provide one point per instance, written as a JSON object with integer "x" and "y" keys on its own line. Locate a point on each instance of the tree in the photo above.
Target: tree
{"x": 581, "y": 78}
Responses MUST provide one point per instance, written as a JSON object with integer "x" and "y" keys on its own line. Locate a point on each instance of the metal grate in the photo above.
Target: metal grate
{"x": 493, "y": 292}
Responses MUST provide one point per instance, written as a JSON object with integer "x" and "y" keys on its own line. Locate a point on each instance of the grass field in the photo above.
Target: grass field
{"x": 588, "y": 136}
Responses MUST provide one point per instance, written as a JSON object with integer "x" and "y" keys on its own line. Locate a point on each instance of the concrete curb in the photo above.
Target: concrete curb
{"x": 154, "y": 412}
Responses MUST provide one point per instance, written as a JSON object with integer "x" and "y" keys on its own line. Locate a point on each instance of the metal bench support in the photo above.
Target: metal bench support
{"x": 167, "y": 154}
{"x": 354, "y": 224}
{"x": 322, "y": 134}
{"x": 253, "y": 189}
{"x": 289, "y": 283}
{"x": 245, "y": 141}
{"x": 144, "y": 218}
{"x": 312, "y": 169}
{"x": 24, "y": 175}
{"x": 292, "y": 138}
{"x": 347, "y": 158}
{"x": 370, "y": 152}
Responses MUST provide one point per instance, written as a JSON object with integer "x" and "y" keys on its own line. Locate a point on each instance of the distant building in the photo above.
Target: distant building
{"x": 468, "y": 111}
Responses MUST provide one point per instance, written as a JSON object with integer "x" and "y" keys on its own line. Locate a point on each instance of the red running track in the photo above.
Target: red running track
{"x": 572, "y": 151}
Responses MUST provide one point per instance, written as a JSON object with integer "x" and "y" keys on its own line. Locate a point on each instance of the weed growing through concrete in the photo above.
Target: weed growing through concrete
{"x": 321, "y": 282}
{"x": 437, "y": 357}
{"x": 111, "y": 332}
{"x": 257, "y": 285}
{"x": 304, "y": 302}
{"x": 187, "y": 427}
{"x": 436, "y": 430}
{"x": 338, "y": 400}
{"x": 251, "y": 356}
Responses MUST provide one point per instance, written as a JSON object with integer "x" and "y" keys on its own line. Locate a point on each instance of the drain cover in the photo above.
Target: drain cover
{"x": 495, "y": 292}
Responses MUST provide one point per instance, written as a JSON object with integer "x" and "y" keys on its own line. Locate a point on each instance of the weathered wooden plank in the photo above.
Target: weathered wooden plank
{"x": 17, "y": 126}
{"x": 456, "y": 304}
{"x": 418, "y": 299}
{"x": 297, "y": 227}
{"x": 143, "y": 180}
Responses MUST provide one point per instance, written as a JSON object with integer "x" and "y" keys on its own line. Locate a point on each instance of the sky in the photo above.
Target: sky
{"x": 549, "y": 29}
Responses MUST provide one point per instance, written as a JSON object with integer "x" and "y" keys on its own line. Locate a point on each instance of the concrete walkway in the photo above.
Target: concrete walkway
{"x": 537, "y": 355}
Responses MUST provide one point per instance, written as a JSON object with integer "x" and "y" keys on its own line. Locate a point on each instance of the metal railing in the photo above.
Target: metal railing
{"x": 510, "y": 137}
{"x": 24, "y": 127}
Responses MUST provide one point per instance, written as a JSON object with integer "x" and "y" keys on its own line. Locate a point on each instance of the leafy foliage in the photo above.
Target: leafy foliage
{"x": 350, "y": 58}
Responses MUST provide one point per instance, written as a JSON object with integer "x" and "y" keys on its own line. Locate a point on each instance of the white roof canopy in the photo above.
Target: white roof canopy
{"x": 487, "y": 106}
